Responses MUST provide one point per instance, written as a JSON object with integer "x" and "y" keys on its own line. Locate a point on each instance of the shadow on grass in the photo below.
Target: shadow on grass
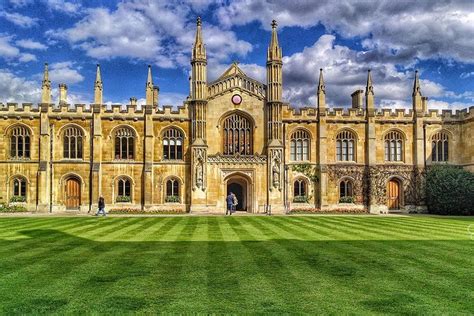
{"x": 53, "y": 272}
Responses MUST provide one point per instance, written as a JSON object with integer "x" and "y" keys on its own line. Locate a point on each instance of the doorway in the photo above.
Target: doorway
{"x": 73, "y": 194}
{"x": 239, "y": 191}
{"x": 394, "y": 196}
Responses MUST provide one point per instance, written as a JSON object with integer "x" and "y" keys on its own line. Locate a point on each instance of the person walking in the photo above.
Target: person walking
{"x": 101, "y": 207}
{"x": 235, "y": 201}
{"x": 229, "y": 201}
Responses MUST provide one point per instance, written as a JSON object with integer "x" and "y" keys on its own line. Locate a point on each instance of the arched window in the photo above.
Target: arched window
{"x": 299, "y": 147}
{"x": 72, "y": 143}
{"x": 19, "y": 190}
{"x": 20, "y": 143}
{"x": 124, "y": 190}
{"x": 124, "y": 144}
{"x": 300, "y": 193}
{"x": 173, "y": 144}
{"x": 345, "y": 146}
{"x": 172, "y": 190}
{"x": 345, "y": 191}
{"x": 237, "y": 135}
{"x": 439, "y": 147}
{"x": 393, "y": 146}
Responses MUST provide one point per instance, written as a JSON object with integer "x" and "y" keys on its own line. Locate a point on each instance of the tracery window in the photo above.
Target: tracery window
{"x": 173, "y": 144}
{"x": 19, "y": 190}
{"x": 393, "y": 146}
{"x": 72, "y": 143}
{"x": 439, "y": 147}
{"x": 299, "y": 145}
{"x": 345, "y": 146}
{"x": 345, "y": 191}
{"x": 300, "y": 193}
{"x": 20, "y": 143}
{"x": 237, "y": 135}
{"x": 124, "y": 190}
{"x": 172, "y": 190}
{"x": 124, "y": 144}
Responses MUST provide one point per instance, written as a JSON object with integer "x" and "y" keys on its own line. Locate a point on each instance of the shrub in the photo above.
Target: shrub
{"x": 300, "y": 199}
{"x": 123, "y": 199}
{"x": 346, "y": 199}
{"x": 16, "y": 198}
{"x": 134, "y": 211}
{"x": 4, "y": 208}
{"x": 315, "y": 210}
{"x": 172, "y": 199}
{"x": 449, "y": 191}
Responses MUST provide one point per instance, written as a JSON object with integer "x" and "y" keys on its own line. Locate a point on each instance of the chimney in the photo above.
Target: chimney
{"x": 424, "y": 104}
{"x": 62, "y": 93}
{"x": 133, "y": 101}
{"x": 357, "y": 99}
{"x": 156, "y": 92}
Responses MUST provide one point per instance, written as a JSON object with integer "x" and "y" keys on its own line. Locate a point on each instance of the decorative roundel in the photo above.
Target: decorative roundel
{"x": 236, "y": 99}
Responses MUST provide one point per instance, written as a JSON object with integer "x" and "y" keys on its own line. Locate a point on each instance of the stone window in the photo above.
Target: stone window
{"x": 19, "y": 190}
{"x": 345, "y": 191}
{"x": 237, "y": 135}
{"x": 172, "y": 190}
{"x": 124, "y": 144}
{"x": 124, "y": 190}
{"x": 345, "y": 146}
{"x": 20, "y": 143}
{"x": 173, "y": 144}
{"x": 439, "y": 147}
{"x": 299, "y": 146}
{"x": 300, "y": 193}
{"x": 393, "y": 146}
{"x": 72, "y": 143}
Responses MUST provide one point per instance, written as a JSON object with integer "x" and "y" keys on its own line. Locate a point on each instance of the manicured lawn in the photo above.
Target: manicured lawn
{"x": 345, "y": 264}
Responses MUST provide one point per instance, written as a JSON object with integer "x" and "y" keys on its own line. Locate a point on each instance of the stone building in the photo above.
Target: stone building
{"x": 233, "y": 134}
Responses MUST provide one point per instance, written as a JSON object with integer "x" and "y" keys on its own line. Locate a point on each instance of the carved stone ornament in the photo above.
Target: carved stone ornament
{"x": 276, "y": 168}
{"x": 199, "y": 167}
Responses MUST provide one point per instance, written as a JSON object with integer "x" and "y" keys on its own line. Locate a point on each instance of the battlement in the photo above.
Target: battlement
{"x": 394, "y": 113}
{"x": 345, "y": 113}
{"x": 304, "y": 113}
{"x": 451, "y": 115}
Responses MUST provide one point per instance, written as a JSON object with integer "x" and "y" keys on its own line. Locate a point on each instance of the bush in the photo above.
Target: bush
{"x": 316, "y": 210}
{"x": 134, "y": 211}
{"x": 300, "y": 199}
{"x": 346, "y": 199}
{"x": 123, "y": 199}
{"x": 449, "y": 191}
{"x": 172, "y": 199}
{"x": 17, "y": 198}
{"x": 4, "y": 208}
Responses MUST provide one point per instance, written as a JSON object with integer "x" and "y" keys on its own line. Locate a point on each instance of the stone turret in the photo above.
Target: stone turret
{"x": 321, "y": 93}
{"x": 98, "y": 87}
{"x": 369, "y": 94}
{"x": 149, "y": 88}
{"x": 46, "y": 86}
{"x": 62, "y": 93}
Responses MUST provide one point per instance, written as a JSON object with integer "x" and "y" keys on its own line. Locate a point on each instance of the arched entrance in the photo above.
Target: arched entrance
{"x": 394, "y": 198}
{"x": 73, "y": 193}
{"x": 241, "y": 187}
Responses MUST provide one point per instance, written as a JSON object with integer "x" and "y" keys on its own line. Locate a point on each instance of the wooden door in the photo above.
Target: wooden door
{"x": 73, "y": 194}
{"x": 393, "y": 195}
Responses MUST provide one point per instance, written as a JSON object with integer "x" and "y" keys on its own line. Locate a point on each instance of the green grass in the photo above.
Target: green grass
{"x": 344, "y": 264}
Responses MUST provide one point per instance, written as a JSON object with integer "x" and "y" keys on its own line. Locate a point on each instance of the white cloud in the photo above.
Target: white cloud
{"x": 64, "y": 72}
{"x": 466, "y": 75}
{"x": 158, "y": 32}
{"x": 30, "y": 44}
{"x": 395, "y": 30}
{"x": 18, "y": 89}
{"x": 20, "y": 3}
{"x": 26, "y": 57}
{"x": 11, "y": 53}
{"x": 19, "y": 20}
{"x": 67, "y": 7}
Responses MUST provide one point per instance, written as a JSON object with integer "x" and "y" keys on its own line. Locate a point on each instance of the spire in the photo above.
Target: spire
{"x": 416, "y": 85}
{"x": 98, "y": 87}
{"x": 369, "y": 89}
{"x": 46, "y": 86}
{"x": 321, "y": 86}
{"x": 199, "y": 50}
{"x": 149, "y": 88}
{"x": 274, "y": 50}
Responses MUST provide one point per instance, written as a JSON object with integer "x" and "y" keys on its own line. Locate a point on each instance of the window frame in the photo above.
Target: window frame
{"x": 174, "y": 147}
{"x": 440, "y": 147}
{"x": 346, "y": 146}
{"x": 394, "y": 147}
{"x": 73, "y": 135}
{"x": 124, "y": 143}
{"x": 20, "y": 143}
{"x": 300, "y": 145}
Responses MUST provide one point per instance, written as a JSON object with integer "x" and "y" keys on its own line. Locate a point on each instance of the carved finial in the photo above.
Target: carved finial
{"x": 149, "y": 80}
{"x": 198, "y": 21}
{"x": 416, "y": 85}
{"x": 46, "y": 73}
{"x": 369, "y": 89}
{"x": 274, "y": 24}
{"x": 98, "y": 77}
{"x": 321, "y": 86}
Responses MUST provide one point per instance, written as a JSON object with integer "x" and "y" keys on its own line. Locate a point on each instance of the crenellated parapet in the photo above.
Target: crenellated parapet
{"x": 304, "y": 114}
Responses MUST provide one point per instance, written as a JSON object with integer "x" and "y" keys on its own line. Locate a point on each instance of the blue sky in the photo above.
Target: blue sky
{"x": 393, "y": 38}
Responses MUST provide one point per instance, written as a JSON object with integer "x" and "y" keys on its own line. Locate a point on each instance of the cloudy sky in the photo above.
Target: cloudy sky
{"x": 393, "y": 38}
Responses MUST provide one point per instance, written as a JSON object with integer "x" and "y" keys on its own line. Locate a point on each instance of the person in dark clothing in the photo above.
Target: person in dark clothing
{"x": 230, "y": 203}
{"x": 101, "y": 207}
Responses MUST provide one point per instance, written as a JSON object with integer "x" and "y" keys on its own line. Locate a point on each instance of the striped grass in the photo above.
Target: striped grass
{"x": 250, "y": 265}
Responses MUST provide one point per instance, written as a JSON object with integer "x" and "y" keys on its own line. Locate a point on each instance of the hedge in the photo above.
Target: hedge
{"x": 449, "y": 190}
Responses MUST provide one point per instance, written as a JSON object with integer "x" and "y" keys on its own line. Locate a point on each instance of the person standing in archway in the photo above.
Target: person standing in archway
{"x": 235, "y": 201}
{"x": 230, "y": 203}
{"x": 101, "y": 205}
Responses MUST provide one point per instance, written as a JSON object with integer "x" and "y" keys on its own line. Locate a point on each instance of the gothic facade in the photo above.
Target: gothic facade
{"x": 233, "y": 134}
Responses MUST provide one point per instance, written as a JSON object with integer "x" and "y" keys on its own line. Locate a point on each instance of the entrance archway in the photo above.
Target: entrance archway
{"x": 394, "y": 197}
{"x": 73, "y": 193}
{"x": 241, "y": 187}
